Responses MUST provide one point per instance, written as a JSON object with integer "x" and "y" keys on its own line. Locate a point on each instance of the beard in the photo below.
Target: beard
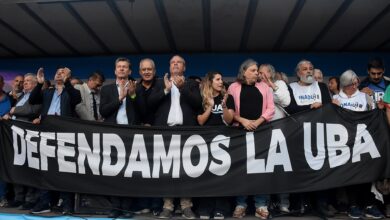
{"x": 309, "y": 79}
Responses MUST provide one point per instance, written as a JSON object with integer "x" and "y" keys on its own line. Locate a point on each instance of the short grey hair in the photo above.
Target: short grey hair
{"x": 284, "y": 77}
{"x": 149, "y": 60}
{"x": 176, "y": 55}
{"x": 243, "y": 67}
{"x": 300, "y": 63}
{"x": 347, "y": 78}
{"x": 319, "y": 71}
{"x": 34, "y": 77}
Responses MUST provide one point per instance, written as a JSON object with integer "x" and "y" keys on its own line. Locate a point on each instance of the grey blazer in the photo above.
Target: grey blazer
{"x": 85, "y": 108}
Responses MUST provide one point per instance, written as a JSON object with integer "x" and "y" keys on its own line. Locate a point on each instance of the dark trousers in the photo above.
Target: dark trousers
{"x": 212, "y": 205}
{"x": 147, "y": 203}
{"x": 67, "y": 198}
{"x": 360, "y": 195}
{"x": 121, "y": 203}
{"x": 25, "y": 193}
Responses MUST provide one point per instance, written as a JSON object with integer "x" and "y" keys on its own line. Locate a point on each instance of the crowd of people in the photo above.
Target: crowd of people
{"x": 259, "y": 95}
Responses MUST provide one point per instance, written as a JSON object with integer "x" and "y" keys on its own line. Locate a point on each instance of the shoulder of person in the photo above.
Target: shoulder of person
{"x": 387, "y": 80}
{"x": 79, "y": 87}
{"x": 109, "y": 86}
{"x": 364, "y": 83}
{"x": 321, "y": 84}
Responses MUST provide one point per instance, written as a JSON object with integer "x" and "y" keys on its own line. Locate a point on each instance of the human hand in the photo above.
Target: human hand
{"x": 167, "y": 83}
{"x": 36, "y": 121}
{"x": 40, "y": 76}
{"x": 179, "y": 81}
{"x": 367, "y": 90}
{"x": 315, "y": 105}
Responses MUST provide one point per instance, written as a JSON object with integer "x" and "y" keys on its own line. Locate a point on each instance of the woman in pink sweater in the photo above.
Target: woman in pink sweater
{"x": 251, "y": 104}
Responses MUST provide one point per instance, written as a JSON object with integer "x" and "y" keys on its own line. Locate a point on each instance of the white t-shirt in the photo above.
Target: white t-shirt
{"x": 306, "y": 95}
{"x": 357, "y": 102}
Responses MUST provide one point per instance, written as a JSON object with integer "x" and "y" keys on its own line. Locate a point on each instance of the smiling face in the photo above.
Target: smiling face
{"x": 147, "y": 70}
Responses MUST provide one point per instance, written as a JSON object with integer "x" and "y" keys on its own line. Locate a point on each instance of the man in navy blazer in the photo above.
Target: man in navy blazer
{"x": 177, "y": 102}
{"x": 59, "y": 100}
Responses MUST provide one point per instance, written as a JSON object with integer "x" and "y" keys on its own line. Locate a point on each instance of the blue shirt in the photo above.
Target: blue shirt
{"x": 378, "y": 89}
{"x": 5, "y": 105}
{"x": 121, "y": 117}
{"x": 55, "y": 105}
{"x": 24, "y": 99}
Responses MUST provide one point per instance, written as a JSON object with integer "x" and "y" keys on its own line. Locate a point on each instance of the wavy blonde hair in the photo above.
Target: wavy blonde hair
{"x": 206, "y": 87}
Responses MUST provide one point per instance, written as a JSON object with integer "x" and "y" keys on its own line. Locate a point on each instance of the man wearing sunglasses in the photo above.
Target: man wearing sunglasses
{"x": 375, "y": 84}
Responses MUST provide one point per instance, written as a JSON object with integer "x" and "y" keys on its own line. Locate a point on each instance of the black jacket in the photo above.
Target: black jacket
{"x": 146, "y": 112}
{"x": 190, "y": 102}
{"x": 70, "y": 97}
{"x": 109, "y": 105}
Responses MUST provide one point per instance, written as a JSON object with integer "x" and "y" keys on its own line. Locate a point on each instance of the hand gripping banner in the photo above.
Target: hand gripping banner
{"x": 313, "y": 150}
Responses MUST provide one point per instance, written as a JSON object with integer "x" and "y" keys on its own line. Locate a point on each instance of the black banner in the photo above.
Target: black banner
{"x": 313, "y": 150}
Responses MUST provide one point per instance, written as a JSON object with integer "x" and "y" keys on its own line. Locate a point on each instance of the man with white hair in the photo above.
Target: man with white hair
{"x": 23, "y": 110}
{"x": 306, "y": 94}
{"x": 318, "y": 76}
{"x": 25, "y": 197}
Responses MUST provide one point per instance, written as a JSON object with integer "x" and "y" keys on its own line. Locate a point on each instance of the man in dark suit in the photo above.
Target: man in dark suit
{"x": 175, "y": 90}
{"x": 118, "y": 100}
{"x": 23, "y": 110}
{"x": 177, "y": 102}
{"x": 147, "y": 71}
{"x": 118, "y": 105}
{"x": 59, "y": 100}
{"x": 25, "y": 197}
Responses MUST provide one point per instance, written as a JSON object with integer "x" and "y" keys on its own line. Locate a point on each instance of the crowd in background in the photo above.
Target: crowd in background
{"x": 259, "y": 95}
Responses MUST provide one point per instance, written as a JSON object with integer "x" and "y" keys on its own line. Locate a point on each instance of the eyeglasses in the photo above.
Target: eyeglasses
{"x": 353, "y": 84}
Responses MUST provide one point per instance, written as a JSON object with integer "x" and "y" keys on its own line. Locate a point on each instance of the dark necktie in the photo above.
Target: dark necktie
{"x": 95, "y": 113}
